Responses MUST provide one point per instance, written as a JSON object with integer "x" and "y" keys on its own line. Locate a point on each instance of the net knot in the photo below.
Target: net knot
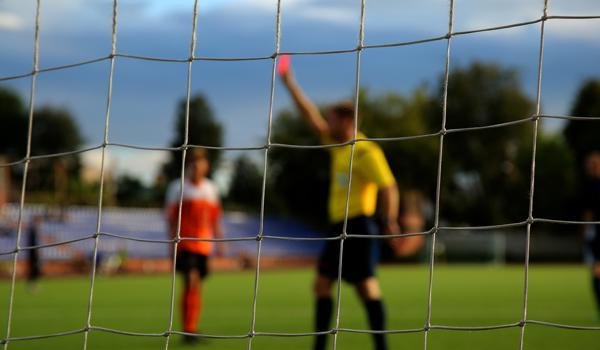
{"x": 251, "y": 334}
{"x": 522, "y": 323}
{"x": 344, "y": 236}
{"x": 259, "y": 237}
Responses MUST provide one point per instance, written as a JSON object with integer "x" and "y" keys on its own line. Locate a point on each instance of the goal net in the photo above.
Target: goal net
{"x": 432, "y": 233}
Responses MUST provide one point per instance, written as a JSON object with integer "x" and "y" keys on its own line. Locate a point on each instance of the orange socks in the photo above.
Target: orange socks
{"x": 191, "y": 306}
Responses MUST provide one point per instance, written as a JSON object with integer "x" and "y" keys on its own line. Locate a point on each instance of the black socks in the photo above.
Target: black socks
{"x": 322, "y": 321}
{"x": 376, "y": 315}
{"x": 375, "y": 312}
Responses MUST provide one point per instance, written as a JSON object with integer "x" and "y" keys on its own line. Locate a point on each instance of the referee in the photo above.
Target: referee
{"x": 371, "y": 177}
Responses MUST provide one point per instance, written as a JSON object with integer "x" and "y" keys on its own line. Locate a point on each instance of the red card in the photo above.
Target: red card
{"x": 283, "y": 65}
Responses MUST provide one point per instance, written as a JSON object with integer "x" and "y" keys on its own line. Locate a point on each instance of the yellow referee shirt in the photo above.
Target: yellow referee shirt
{"x": 370, "y": 172}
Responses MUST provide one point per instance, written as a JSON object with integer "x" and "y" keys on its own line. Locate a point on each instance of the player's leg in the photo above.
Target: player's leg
{"x": 323, "y": 308}
{"x": 192, "y": 284}
{"x": 370, "y": 293}
{"x": 189, "y": 294}
{"x": 595, "y": 248}
{"x": 596, "y": 285}
{"x": 33, "y": 272}
{"x": 181, "y": 268}
{"x": 201, "y": 269}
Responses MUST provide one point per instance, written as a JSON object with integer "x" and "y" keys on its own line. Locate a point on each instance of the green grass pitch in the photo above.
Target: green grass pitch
{"x": 469, "y": 295}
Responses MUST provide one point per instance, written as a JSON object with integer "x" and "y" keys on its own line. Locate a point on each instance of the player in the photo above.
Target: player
{"x": 591, "y": 212}
{"x": 371, "y": 176}
{"x": 34, "y": 270}
{"x": 200, "y": 218}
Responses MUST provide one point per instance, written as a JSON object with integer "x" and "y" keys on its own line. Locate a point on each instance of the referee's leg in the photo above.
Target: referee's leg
{"x": 369, "y": 291}
{"x": 324, "y": 309}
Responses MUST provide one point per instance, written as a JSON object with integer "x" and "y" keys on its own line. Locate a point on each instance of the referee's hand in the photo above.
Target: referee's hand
{"x": 392, "y": 228}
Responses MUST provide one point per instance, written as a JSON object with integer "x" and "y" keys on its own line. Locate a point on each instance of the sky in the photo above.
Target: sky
{"x": 146, "y": 93}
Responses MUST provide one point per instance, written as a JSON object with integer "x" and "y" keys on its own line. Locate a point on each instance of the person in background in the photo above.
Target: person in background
{"x": 200, "y": 219}
{"x": 591, "y": 212}
{"x": 34, "y": 270}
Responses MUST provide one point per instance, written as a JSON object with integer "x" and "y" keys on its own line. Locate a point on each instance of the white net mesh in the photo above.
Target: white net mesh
{"x": 252, "y": 333}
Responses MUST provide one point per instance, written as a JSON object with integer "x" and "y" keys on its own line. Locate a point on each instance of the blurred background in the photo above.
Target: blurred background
{"x": 485, "y": 174}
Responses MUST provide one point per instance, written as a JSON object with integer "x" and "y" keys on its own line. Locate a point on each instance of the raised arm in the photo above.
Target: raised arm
{"x": 309, "y": 111}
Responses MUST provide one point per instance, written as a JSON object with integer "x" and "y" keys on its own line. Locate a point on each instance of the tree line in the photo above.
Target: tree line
{"x": 485, "y": 173}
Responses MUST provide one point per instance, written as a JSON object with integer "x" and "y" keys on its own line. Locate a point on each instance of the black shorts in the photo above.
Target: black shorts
{"x": 186, "y": 261}
{"x": 360, "y": 256}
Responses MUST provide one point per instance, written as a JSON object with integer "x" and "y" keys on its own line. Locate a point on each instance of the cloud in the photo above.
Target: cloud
{"x": 418, "y": 16}
{"x": 144, "y": 165}
{"x": 264, "y": 5}
{"x": 330, "y": 14}
{"x": 245, "y": 27}
{"x": 485, "y": 14}
{"x": 336, "y": 11}
{"x": 10, "y": 21}
{"x": 574, "y": 7}
{"x": 577, "y": 30}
